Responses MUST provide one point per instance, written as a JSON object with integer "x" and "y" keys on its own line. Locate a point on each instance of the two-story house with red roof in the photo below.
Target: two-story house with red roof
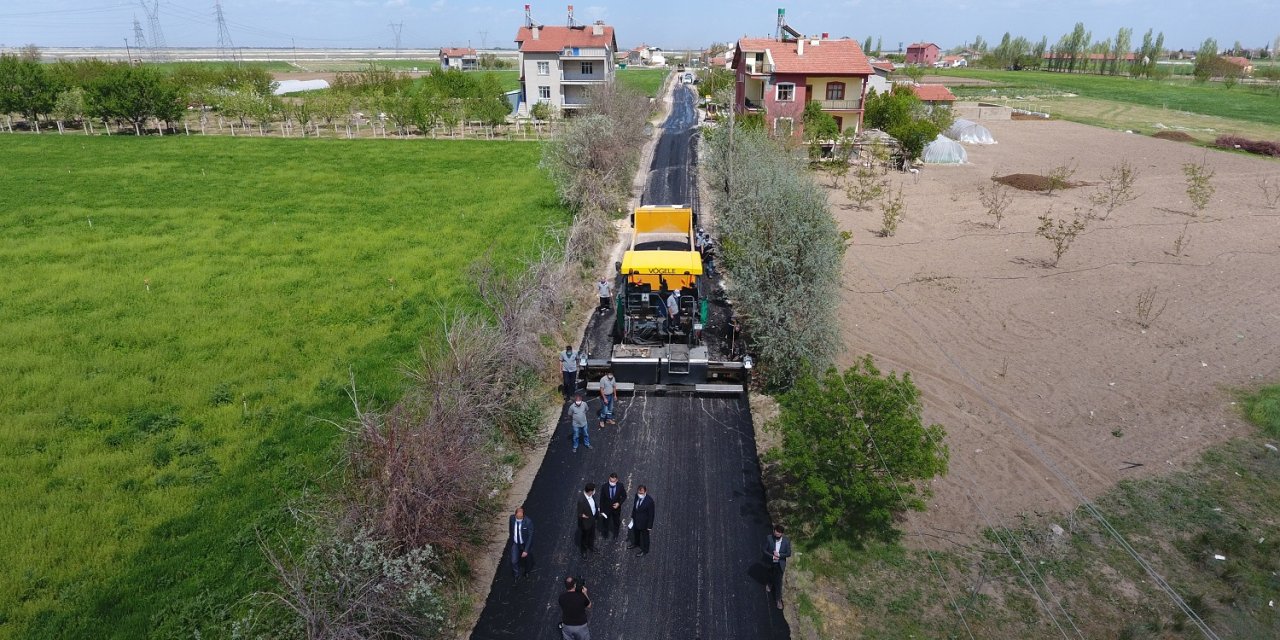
{"x": 923, "y": 53}
{"x": 777, "y": 77}
{"x": 558, "y": 64}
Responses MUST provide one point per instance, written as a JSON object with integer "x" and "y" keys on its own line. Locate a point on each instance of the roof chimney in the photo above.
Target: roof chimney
{"x": 597, "y": 29}
{"x": 800, "y": 47}
{"x": 534, "y": 30}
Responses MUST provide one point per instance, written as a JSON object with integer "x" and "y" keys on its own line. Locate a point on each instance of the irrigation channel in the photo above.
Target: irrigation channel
{"x": 704, "y": 577}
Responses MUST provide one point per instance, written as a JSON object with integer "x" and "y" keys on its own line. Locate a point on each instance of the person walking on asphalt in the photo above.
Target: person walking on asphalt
{"x": 641, "y": 520}
{"x": 520, "y": 535}
{"x": 613, "y": 495}
{"x": 578, "y": 416}
{"x": 608, "y": 397}
{"x": 569, "y": 370}
{"x": 777, "y": 548}
{"x": 587, "y": 514}
{"x": 575, "y": 608}
{"x": 604, "y": 289}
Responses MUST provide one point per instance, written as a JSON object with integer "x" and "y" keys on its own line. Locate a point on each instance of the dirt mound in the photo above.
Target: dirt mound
{"x": 1176, "y": 136}
{"x": 1030, "y": 182}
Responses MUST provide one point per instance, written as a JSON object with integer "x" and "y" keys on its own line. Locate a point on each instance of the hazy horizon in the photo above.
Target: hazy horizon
{"x": 672, "y": 25}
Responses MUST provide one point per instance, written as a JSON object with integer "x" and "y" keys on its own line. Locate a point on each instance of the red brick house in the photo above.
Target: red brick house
{"x": 776, "y": 78}
{"x": 1245, "y": 65}
{"x": 923, "y": 53}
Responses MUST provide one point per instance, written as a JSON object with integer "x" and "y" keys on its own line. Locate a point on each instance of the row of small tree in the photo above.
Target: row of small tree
{"x": 81, "y": 91}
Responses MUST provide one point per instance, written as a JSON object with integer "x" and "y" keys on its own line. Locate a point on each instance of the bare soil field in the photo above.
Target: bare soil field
{"x": 1041, "y": 374}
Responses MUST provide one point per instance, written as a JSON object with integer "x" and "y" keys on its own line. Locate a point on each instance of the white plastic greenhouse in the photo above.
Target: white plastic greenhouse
{"x": 944, "y": 150}
{"x": 969, "y": 132}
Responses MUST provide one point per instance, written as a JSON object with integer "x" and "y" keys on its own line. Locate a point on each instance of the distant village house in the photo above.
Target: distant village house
{"x": 460, "y": 59}
{"x": 559, "y": 64}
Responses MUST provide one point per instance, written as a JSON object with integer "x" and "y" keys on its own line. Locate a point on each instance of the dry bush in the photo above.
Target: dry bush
{"x": 892, "y": 210}
{"x": 1199, "y": 184}
{"x": 1060, "y": 232}
{"x": 867, "y": 185}
{"x": 1181, "y": 242}
{"x": 1116, "y": 189}
{"x": 1146, "y": 309}
{"x": 1260, "y": 147}
{"x": 594, "y": 158}
{"x": 1270, "y": 193}
{"x": 995, "y": 198}
{"x": 1060, "y": 177}
{"x": 348, "y": 585}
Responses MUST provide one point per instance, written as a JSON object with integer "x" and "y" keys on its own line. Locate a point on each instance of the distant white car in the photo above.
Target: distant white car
{"x": 688, "y": 78}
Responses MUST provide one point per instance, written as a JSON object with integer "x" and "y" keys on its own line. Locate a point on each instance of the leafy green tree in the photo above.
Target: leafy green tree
{"x": 541, "y": 111}
{"x": 26, "y": 87}
{"x": 901, "y": 114}
{"x": 70, "y": 105}
{"x": 857, "y": 451}
{"x": 1206, "y": 60}
{"x": 866, "y": 46}
{"x": 818, "y": 124}
{"x": 134, "y": 94}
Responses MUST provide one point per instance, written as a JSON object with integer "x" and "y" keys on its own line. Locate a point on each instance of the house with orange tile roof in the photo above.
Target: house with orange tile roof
{"x": 463, "y": 59}
{"x": 934, "y": 94}
{"x": 1245, "y": 64}
{"x": 559, "y": 64}
{"x": 777, "y": 77}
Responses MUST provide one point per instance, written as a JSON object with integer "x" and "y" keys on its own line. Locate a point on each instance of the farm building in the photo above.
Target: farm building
{"x": 923, "y": 53}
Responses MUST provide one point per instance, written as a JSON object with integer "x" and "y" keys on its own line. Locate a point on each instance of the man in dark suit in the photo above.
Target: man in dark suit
{"x": 777, "y": 548}
{"x": 520, "y": 536}
{"x": 642, "y": 520}
{"x": 613, "y": 495}
{"x": 588, "y": 511}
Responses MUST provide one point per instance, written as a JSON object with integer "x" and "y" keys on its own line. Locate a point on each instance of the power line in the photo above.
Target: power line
{"x": 139, "y": 38}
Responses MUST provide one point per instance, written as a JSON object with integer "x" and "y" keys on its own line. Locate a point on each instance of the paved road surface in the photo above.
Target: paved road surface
{"x": 704, "y": 578}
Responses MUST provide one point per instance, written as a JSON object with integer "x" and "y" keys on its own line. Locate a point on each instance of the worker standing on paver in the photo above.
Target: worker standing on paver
{"x": 608, "y": 397}
{"x": 575, "y": 609}
{"x": 578, "y": 418}
{"x": 569, "y": 370}
{"x": 673, "y": 309}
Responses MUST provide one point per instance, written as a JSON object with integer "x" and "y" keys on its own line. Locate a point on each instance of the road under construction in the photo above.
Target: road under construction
{"x": 693, "y": 448}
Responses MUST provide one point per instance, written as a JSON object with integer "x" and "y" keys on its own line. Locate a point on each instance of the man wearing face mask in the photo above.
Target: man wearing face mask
{"x": 578, "y": 417}
{"x": 569, "y": 370}
{"x": 642, "y": 520}
{"x": 613, "y": 495}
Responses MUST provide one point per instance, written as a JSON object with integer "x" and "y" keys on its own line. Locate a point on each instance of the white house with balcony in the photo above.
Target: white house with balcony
{"x": 559, "y": 64}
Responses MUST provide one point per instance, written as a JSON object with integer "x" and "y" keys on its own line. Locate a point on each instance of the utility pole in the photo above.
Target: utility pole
{"x": 159, "y": 49}
{"x": 224, "y": 34}
{"x": 139, "y": 39}
{"x": 127, "y": 53}
{"x": 484, "y": 39}
{"x": 395, "y": 29}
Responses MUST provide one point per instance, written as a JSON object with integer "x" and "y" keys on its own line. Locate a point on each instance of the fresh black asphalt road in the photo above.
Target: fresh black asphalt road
{"x": 705, "y": 575}
{"x": 669, "y": 175}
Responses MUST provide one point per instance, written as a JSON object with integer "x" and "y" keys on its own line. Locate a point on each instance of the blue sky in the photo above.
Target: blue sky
{"x": 671, "y": 24}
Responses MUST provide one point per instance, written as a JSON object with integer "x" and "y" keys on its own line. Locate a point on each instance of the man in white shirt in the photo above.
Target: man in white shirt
{"x": 673, "y": 309}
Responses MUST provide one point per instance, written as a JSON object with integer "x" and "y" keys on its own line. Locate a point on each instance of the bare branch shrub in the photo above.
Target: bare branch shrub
{"x": 1270, "y": 193}
{"x": 1060, "y": 232}
{"x": 1181, "y": 242}
{"x": 1199, "y": 184}
{"x": 995, "y": 198}
{"x": 594, "y": 158}
{"x": 1116, "y": 189}
{"x": 348, "y": 585}
{"x": 1147, "y": 310}
{"x": 867, "y": 184}
{"x": 1060, "y": 177}
{"x": 892, "y": 210}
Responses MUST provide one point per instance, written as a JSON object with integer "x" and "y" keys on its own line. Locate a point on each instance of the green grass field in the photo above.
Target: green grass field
{"x": 646, "y": 81}
{"x": 1246, "y": 103}
{"x": 181, "y": 317}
